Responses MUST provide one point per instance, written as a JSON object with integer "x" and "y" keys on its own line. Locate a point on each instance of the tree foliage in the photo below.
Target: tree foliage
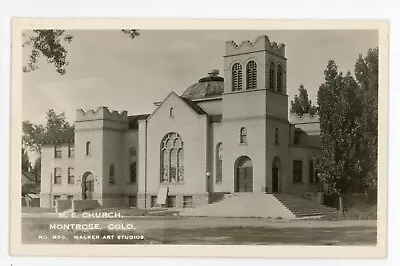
{"x": 25, "y": 163}
{"x": 51, "y": 45}
{"x": 348, "y": 110}
{"x": 301, "y": 104}
{"x": 340, "y": 111}
{"x": 56, "y": 128}
{"x": 367, "y": 75}
{"x": 36, "y": 169}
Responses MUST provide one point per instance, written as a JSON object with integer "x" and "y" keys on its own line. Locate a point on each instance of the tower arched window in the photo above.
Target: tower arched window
{"x": 243, "y": 135}
{"x": 218, "y": 163}
{"x": 237, "y": 77}
{"x": 251, "y": 75}
{"x": 279, "y": 81}
{"x": 88, "y": 148}
{"x": 276, "y": 136}
{"x": 272, "y": 76}
{"x": 171, "y": 161}
{"x": 132, "y": 165}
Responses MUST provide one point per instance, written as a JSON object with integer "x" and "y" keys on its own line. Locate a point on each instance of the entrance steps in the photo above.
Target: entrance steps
{"x": 249, "y": 204}
{"x": 261, "y": 205}
{"x": 302, "y": 207}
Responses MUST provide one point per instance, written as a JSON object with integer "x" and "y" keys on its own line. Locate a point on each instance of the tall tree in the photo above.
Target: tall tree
{"x": 36, "y": 170}
{"x": 56, "y": 128}
{"x": 51, "y": 45}
{"x": 25, "y": 163}
{"x": 340, "y": 109}
{"x": 301, "y": 104}
{"x": 367, "y": 74}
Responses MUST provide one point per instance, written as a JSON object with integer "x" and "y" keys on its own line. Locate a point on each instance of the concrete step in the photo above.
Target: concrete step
{"x": 260, "y": 205}
{"x": 243, "y": 205}
{"x": 302, "y": 207}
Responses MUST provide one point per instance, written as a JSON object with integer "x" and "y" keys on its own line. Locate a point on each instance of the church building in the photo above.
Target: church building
{"x": 230, "y": 134}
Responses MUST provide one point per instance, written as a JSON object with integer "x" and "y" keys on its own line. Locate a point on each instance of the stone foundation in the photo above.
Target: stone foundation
{"x": 83, "y": 205}
{"x": 110, "y": 200}
{"x": 181, "y": 200}
{"x": 45, "y": 201}
{"x": 63, "y": 205}
{"x": 142, "y": 201}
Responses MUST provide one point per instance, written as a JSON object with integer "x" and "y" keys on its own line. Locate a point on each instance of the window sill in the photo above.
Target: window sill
{"x": 172, "y": 183}
{"x": 298, "y": 183}
{"x": 244, "y": 144}
{"x": 131, "y": 183}
{"x": 112, "y": 184}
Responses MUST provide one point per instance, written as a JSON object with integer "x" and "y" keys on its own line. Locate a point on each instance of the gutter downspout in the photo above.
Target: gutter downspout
{"x": 51, "y": 179}
{"x": 145, "y": 168}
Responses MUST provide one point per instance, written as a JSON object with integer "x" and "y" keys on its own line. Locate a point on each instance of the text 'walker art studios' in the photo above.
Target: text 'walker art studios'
{"x": 200, "y": 137}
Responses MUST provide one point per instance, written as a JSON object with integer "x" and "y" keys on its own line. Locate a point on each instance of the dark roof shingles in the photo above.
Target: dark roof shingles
{"x": 134, "y": 120}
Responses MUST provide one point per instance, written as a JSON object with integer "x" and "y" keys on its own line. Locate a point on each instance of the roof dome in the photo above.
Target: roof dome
{"x": 210, "y": 86}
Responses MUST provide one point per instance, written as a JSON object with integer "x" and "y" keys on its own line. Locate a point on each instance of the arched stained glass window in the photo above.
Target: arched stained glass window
{"x": 218, "y": 163}
{"x": 251, "y": 75}
{"x": 164, "y": 165}
{"x": 171, "y": 163}
{"x": 237, "y": 77}
{"x": 180, "y": 164}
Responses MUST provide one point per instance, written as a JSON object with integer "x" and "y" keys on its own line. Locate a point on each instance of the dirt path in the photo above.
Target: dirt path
{"x": 143, "y": 222}
{"x": 204, "y": 222}
{"x": 225, "y": 231}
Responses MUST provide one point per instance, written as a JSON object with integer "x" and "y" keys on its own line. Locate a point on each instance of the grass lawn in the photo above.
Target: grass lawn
{"x": 37, "y": 210}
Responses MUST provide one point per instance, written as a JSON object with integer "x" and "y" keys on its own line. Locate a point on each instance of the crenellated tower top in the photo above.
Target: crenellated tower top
{"x": 261, "y": 43}
{"x": 101, "y": 113}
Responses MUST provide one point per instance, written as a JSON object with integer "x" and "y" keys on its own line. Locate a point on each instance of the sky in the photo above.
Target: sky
{"x": 107, "y": 68}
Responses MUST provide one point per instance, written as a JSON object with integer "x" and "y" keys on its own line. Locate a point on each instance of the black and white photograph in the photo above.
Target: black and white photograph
{"x": 252, "y": 137}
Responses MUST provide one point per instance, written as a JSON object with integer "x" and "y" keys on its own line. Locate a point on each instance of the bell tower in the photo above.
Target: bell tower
{"x": 254, "y": 107}
{"x": 259, "y": 65}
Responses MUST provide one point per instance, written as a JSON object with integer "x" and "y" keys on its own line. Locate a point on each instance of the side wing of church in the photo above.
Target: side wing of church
{"x": 222, "y": 135}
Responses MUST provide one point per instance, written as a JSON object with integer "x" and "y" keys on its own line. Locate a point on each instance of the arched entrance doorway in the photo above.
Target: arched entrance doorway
{"x": 276, "y": 172}
{"x": 87, "y": 186}
{"x": 243, "y": 174}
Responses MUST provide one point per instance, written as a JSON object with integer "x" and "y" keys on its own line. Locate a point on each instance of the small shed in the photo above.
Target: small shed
{"x": 32, "y": 200}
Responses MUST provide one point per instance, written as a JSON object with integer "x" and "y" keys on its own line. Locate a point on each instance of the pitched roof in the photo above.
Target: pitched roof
{"x": 134, "y": 120}
{"x": 194, "y": 106}
{"x": 67, "y": 136}
{"x": 27, "y": 177}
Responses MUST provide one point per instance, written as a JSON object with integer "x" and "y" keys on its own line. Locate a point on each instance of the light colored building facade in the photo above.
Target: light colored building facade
{"x": 222, "y": 135}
